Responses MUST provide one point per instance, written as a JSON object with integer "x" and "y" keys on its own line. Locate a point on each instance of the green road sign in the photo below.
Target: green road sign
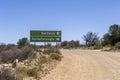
{"x": 45, "y": 36}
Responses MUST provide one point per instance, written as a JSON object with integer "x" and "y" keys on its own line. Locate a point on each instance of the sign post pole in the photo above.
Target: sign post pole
{"x": 44, "y": 46}
{"x": 56, "y": 46}
{"x": 34, "y": 45}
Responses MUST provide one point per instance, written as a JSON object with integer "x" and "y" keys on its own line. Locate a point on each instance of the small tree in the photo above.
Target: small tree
{"x": 91, "y": 38}
{"x": 74, "y": 44}
{"x": 70, "y": 44}
{"x": 23, "y": 42}
{"x": 113, "y": 35}
{"x": 64, "y": 44}
{"x": 106, "y": 39}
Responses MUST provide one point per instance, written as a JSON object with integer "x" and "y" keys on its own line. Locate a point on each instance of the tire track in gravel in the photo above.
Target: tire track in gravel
{"x": 86, "y": 65}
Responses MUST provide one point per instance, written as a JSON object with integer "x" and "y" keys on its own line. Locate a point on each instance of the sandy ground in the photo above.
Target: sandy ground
{"x": 87, "y": 65}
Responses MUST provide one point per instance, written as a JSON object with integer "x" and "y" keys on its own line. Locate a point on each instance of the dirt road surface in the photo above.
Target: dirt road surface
{"x": 87, "y": 65}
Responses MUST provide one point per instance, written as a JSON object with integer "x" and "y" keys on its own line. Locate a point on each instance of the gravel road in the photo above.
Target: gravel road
{"x": 87, "y": 65}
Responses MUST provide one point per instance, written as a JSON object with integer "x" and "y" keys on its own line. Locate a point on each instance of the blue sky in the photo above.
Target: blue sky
{"x": 73, "y": 17}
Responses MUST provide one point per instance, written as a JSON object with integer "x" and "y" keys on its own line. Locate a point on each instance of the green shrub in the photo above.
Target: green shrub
{"x": 43, "y": 59}
{"x": 24, "y": 71}
{"x": 31, "y": 72}
{"x": 23, "y": 42}
{"x": 55, "y": 56}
